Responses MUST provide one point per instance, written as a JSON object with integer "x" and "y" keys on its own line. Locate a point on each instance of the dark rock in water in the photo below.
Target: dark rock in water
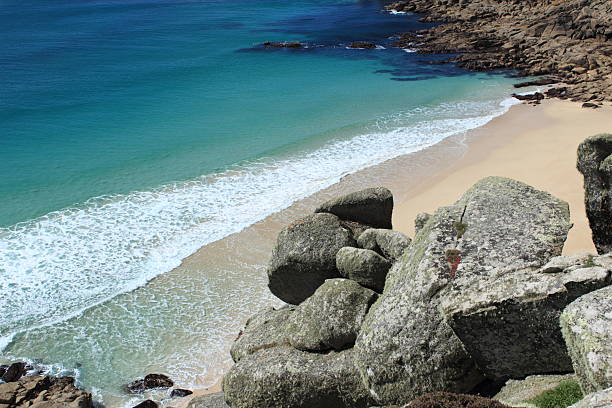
{"x": 264, "y": 330}
{"x": 147, "y": 404}
{"x": 305, "y": 256}
{"x": 216, "y": 400}
{"x": 3, "y": 370}
{"x": 364, "y": 266}
{"x": 529, "y": 97}
{"x": 388, "y": 243}
{"x": 510, "y": 323}
{"x": 14, "y": 372}
{"x": 331, "y": 317}
{"x": 543, "y": 81}
{"x": 362, "y": 44}
{"x": 283, "y": 44}
{"x": 590, "y": 105}
{"x": 281, "y": 377}
{"x": 180, "y": 392}
{"x": 450, "y": 400}
{"x": 405, "y": 347}
{"x": 43, "y": 392}
{"x": 586, "y": 325}
{"x": 149, "y": 382}
{"x": 595, "y": 164}
{"x": 372, "y": 206}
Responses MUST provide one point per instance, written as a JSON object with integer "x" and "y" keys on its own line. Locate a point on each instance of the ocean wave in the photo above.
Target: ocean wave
{"x": 57, "y": 266}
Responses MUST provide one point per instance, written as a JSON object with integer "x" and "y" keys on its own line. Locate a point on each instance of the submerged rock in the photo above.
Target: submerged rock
{"x": 264, "y": 330}
{"x": 595, "y": 164}
{"x": 405, "y": 347}
{"x": 283, "y": 44}
{"x": 362, "y": 44}
{"x": 363, "y": 266}
{"x": 331, "y": 317}
{"x": 281, "y": 377}
{"x": 372, "y": 206}
{"x": 388, "y": 243}
{"x": 509, "y": 322}
{"x": 216, "y": 400}
{"x": 305, "y": 256}
{"x": 587, "y": 328}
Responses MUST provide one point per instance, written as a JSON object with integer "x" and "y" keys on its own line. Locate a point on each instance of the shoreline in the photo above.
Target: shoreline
{"x": 540, "y": 136}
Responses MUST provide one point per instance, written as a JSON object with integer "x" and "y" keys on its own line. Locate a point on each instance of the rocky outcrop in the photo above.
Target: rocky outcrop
{"x": 518, "y": 393}
{"x": 149, "y": 382}
{"x": 586, "y": 326}
{"x": 280, "y": 377}
{"x": 595, "y": 164}
{"x": 450, "y": 400}
{"x": 363, "y": 266}
{"x": 331, "y": 317}
{"x": 14, "y": 372}
{"x": 569, "y": 41}
{"x": 372, "y": 206}
{"x": 405, "y": 347}
{"x": 388, "y": 243}
{"x": 305, "y": 256}
{"x": 283, "y": 44}
{"x": 264, "y": 330}
{"x": 216, "y": 400}
{"x": 43, "y": 392}
{"x": 600, "y": 399}
{"x": 147, "y": 404}
{"x": 509, "y": 321}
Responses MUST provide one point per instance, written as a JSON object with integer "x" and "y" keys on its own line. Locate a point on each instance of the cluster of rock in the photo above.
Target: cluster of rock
{"x": 567, "y": 40}
{"x": 39, "y": 391}
{"x": 154, "y": 382}
{"x": 377, "y": 319}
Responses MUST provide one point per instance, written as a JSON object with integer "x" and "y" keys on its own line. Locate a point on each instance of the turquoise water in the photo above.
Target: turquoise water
{"x": 134, "y": 132}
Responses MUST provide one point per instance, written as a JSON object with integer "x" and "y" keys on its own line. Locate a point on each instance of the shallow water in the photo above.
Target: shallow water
{"x": 134, "y": 133}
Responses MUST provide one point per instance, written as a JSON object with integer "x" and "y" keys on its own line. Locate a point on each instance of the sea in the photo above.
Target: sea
{"x": 135, "y": 132}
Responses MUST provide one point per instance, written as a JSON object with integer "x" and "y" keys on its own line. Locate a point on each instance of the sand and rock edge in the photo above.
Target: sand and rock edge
{"x": 477, "y": 295}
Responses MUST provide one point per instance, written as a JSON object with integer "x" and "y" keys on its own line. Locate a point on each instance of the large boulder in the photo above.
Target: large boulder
{"x": 263, "y": 330}
{"x": 388, "y": 243}
{"x": 331, "y": 317}
{"x": 405, "y": 347}
{"x": 509, "y": 321}
{"x": 372, "y": 206}
{"x": 363, "y": 266}
{"x": 216, "y": 400}
{"x": 305, "y": 256}
{"x": 281, "y": 377}
{"x": 587, "y": 328}
{"x": 595, "y": 164}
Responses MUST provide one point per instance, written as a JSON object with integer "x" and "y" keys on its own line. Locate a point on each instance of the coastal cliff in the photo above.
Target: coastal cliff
{"x": 568, "y": 41}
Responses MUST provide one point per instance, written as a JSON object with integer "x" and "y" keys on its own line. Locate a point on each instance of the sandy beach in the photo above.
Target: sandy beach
{"x": 533, "y": 144}
{"x": 536, "y": 145}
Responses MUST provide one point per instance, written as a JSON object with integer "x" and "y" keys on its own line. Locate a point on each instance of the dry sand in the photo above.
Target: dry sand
{"x": 536, "y": 145}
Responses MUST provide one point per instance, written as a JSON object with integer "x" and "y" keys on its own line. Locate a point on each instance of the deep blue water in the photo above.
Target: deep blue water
{"x": 133, "y": 132}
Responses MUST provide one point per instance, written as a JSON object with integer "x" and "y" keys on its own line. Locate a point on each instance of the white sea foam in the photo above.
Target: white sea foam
{"x": 55, "y": 267}
{"x": 409, "y": 50}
